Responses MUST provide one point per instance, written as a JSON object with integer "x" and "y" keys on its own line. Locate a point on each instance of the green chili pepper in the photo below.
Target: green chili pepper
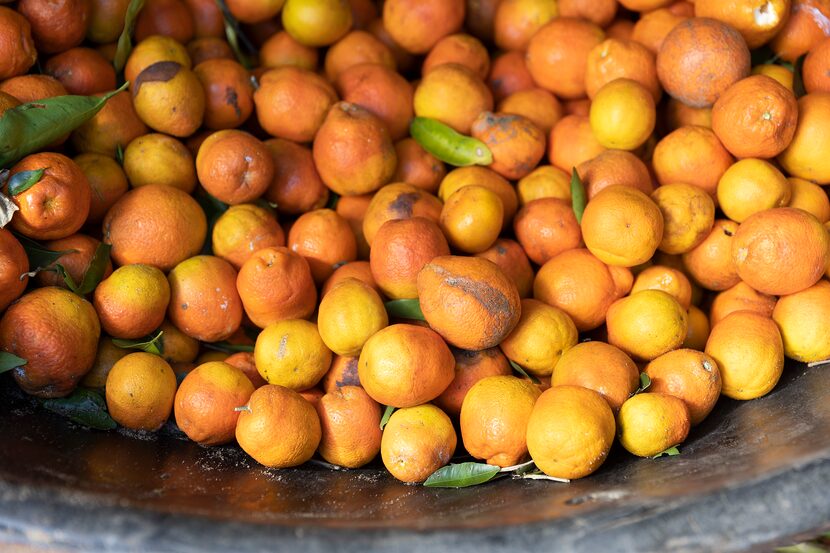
{"x": 448, "y": 145}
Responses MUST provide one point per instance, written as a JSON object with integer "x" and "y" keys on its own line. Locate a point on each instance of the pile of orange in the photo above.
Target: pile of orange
{"x": 263, "y": 218}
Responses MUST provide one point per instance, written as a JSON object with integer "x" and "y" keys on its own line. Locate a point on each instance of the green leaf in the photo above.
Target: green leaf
{"x": 405, "y": 309}
{"x": 9, "y": 361}
{"x": 30, "y": 127}
{"x": 234, "y": 35}
{"x": 798, "y": 77}
{"x": 386, "y": 414}
{"x": 448, "y": 145}
{"x": 805, "y": 547}
{"x": 125, "y": 42}
{"x": 670, "y": 452}
{"x": 213, "y": 209}
{"x": 519, "y": 369}
{"x": 150, "y": 344}
{"x": 645, "y": 383}
{"x": 24, "y": 180}
{"x": 39, "y": 257}
{"x": 578, "y": 198}
{"x": 334, "y": 197}
{"x": 84, "y": 407}
{"x": 119, "y": 154}
{"x": 228, "y": 347}
{"x": 461, "y": 475}
{"x": 95, "y": 271}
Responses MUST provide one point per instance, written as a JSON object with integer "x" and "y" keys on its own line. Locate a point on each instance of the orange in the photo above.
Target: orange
{"x": 169, "y": 98}
{"x": 234, "y": 166}
{"x": 698, "y": 331}
{"x": 462, "y": 49}
{"x": 783, "y": 75}
{"x": 171, "y": 18}
{"x": 452, "y": 94}
{"x": 545, "y": 228}
{"x": 508, "y": 75}
{"x": 617, "y": 59}
{"x": 56, "y": 26}
{"x": 349, "y": 315}
{"x": 452, "y": 289}
{"x": 229, "y": 94}
{"x": 343, "y": 372}
{"x": 677, "y": 114}
{"x": 156, "y": 225}
{"x": 622, "y": 114}
{"x": 600, "y": 12}
{"x": 688, "y": 55}
{"x": 418, "y": 25}
{"x": 801, "y": 318}
{"x": 398, "y": 201}
{"x": 108, "y": 354}
{"x": 651, "y": 423}
{"x": 804, "y": 29}
{"x": 117, "y": 124}
{"x": 206, "y": 401}
{"x": 349, "y": 166}
{"x": 557, "y": 54}
{"x": 279, "y": 429}
{"x": 82, "y": 71}
{"x": 471, "y": 218}
{"x": 81, "y": 249}
{"x": 297, "y": 186}
{"x": 350, "y": 424}
{"x": 382, "y": 91}
{"x": 652, "y": 27}
{"x": 254, "y": 12}
{"x": 57, "y": 333}
{"x": 546, "y": 181}
{"x": 601, "y": 367}
{"x": 479, "y": 18}
{"x": 758, "y": 23}
{"x": 612, "y": 167}
{"x": 750, "y": 186}
{"x": 30, "y": 88}
{"x": 291, "y": 353}
{"x": 622, "y": 226}
{"x": 177, "y": 347}
{"x": 570, "y": 431}
{"x": 276, "y": 284}
{"x": 416, "y": 442}
{"x": 204, "y": 303}
{"x": 740, "y": 298}
{"x": 804, "y": 157}
{"x": 324, "y": 239}
{"x": 208, "y": 21}
{"x": 494, "y": 417}
{"x": 647, "y": 324}
{"x": 689, "y": 375}
{"x": 356, "y": 48}
{"x": 516, "y": 21}
{"x": 512, "y": 260}
{"x": 13, "y": 265}
{"x": 404, "y": 60}
{"x": 470, "y": 368}
{"x": 57, "y": 205}
{"x": 688, "y": 216}
{"x": 244, "y": 361}
{"x": 810, "y": 197}
{"x": 670, "y": 280}
{"x": 316, "y": 22}
{"x": 151, "y": 50}
{"x": 19, "y": 52}
{"x": 691, "y": 155}
{"x": 106, "y": 20}
{"x": 579, "y": 284}
{"x": 710, "y": 263}
{"x": 540, "y": 338}
{"x": 418, "y": 167}
{"x": 140, "y": 391}
{"x": 815, "y": 68}
{"x": 353, "y": 210}
{"x": 282, "y": 49}
{"x": 292, "y": 102}
{"x": 242, "y": 230}
{"x": 536, "y": 104}
{"x": 405, "y": 365}
{"x": 132, "y": 301}
{"x": 481, "y": 176}
{"x": 516, "y": 143}
{"x": 749, "y": 352}
{"x": 156, "y": 158}
{"x": 781, "y": 251}
{"x": 572, "y": 142}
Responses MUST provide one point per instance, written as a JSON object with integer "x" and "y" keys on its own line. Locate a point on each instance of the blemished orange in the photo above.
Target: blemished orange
{"x": 570, "y": 431}
{"x": 132, "y": 301}
{"x": 494, "y": 417}
{"x": 688, "y": 216}
{"x": 579, "y": 284}
{"x": 601, "y": 367}
{"x": 140, "y": 391}
{"x": 622, "y": 226}
{"x": 689, "y": 375}
{"x": 470, "y": 368}
{"x": 204, "y": 303}
{"x": 57, "y": 333}
{"x": 781, "y": 251}
{"x": 757, "y": 23}
{"x": 540, "y": 338}
{"x": 416, "y": 442}
{"x": 291, "y": 353}
{"x": 751, "y": 186}
{"x": 801, "y": 318}
{"x": 749, "y": 352}
{"x": 350, "y": 424}
{"x": 206, "y": 401}
{"x": 513, "y": 261}
{"x": 242, "y": 230}
{"x": 652, "y": 422}
{"x": 803, "y": 30}
{"x": 647, "y": 324}
{"x": 469, "y": 289}
{"x": 516, "y": 143}
{"x": 168, "y": 97}
{"x": 279, "y": 429}
{"x": 343, "y": 372}
{"x": 404, "y": 365}
{"x": 804, "y": 157}
{"x": 398, "y": 201}
{"x": 229, "y": 94}
{"x": 622, "y": 114}
{"x": 710, "y": 263}
{"x": 234, "y": 166}
{"x": 755, "y": 117}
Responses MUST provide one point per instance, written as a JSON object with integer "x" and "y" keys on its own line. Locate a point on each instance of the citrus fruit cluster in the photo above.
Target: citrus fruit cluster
{"x": 526, "y": 227}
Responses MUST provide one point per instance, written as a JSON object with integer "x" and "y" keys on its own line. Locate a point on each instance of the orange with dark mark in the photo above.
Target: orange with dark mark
{"x": 229, "y": 95}
{"x": 234, "y": 167}
{"x": 509, "y": 74}
{"x": 399, "y": 201}
{"x": 513, "y": 261}
{"x": 516, "y": 142}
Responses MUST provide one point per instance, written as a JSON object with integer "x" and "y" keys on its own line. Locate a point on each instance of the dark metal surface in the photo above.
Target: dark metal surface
{"x": 751, "y": 473}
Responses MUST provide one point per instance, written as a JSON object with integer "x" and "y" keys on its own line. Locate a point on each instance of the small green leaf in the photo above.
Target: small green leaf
{"x": 386, "y": 414}
{"x": 24, "y": 180}
{"x": 150, "y": 344}
{"x": 578, "y": 198}
{"x": 519, "y": 369}
{"x": 234, "y": 36}
{"x": 645, "y": 383}
{"x": 461, "y": 475}
{"x": 125, "y": 41}
{"x": 405, "y": 309}
{"x": 213, "y": 209}
{"x": 798, "y": 77}
{"x": 95, "y": 271}
{"x": 119, "y": 154}
{"x": 39, "y": 257}
{"x": 334, "y": 197}
{"x": 448, "y": 145}
{"x": 9, "y": 361}
{"x": 228, "y": 347}
{"x": 670, "y": 452}
{"x": 83, "y": 406}
{"x": 66, "y": 277}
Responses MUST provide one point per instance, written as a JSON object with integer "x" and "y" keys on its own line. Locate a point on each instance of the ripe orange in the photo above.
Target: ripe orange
{"x": 540, "y": 338}
{"x": 140, "y": 391}
{"x": 470, "y": 367}
{"x": 416, "y": 442}
{"x": 647, "y": 324}
{"x": 689, "y": 375}
{"x": 652, "y": 422}
{"x": 350, "y": 424}
{"x": 601, "y": 367}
